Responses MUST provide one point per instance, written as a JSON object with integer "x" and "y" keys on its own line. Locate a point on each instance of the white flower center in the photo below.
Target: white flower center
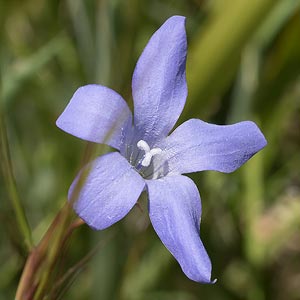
{"x": 149, "y": 153}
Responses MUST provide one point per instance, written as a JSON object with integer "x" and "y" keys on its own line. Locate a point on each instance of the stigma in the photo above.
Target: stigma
{"x": 149, "y": 153}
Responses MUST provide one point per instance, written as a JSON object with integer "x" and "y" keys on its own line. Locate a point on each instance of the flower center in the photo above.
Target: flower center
{"x": 149, "y": 153}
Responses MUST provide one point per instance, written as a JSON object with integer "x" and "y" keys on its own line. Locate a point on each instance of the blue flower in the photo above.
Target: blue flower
{"x": 147, "y": 157}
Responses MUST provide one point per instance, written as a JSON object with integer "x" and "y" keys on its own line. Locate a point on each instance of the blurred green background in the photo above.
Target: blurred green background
{"x": 243, "y": 63}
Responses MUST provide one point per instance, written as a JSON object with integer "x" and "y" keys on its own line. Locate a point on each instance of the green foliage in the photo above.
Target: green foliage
{"x": 243, "y": 63}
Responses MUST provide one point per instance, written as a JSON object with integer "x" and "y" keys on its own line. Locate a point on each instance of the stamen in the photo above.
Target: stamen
{"x": 143, "y": 146}
{"x": 149, "y": 153}
{"x": 155, "y": 151}
{"x": 147, "y": 159}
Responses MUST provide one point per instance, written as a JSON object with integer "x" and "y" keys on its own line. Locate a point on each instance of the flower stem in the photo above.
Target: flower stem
{"x": 8, "y": 175}
{"x": 57, "y": 238}
{"x": 42, "y": 259}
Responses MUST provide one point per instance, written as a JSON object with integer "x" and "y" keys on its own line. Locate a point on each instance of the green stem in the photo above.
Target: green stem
{"x": 39, "y": 264}
{"x": 8, "y": 175}
{"x": 57, "y": 240}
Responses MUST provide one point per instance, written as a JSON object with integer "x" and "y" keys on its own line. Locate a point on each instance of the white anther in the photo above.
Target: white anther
{"x": 143, "y": 146}
{"x": 155, "y": 151}
{"x": 149, "y": 153}
{"x": 147, "y": 159}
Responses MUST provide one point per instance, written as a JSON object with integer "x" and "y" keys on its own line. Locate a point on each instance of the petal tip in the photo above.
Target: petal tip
{"x": 177, "y": 18}
{"x": 59, "y": 122}
{"x": 176, "y": 21}
{"x": 201, "y": 278}
{"x": 261, "y": 141}
{"x": 62, "y": 123}
{"x": 264, "y": 142}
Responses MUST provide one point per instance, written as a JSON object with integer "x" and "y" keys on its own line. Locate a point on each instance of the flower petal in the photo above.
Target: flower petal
{"x": 197, "y": 146}
{"x": 96, "y": 114}
{"x": 175, "y": 209}
{"x": 159, "y": 83}
{"x": 110, "y": 190}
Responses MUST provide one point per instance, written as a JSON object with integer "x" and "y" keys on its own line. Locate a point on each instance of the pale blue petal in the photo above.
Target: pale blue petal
{"x": 110, "y": 190}
{"x": 196, "y": 146}
{"x": 96, "y": 114}
{"x": 175, "y": 211}
{"x": 159, "y": 82}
